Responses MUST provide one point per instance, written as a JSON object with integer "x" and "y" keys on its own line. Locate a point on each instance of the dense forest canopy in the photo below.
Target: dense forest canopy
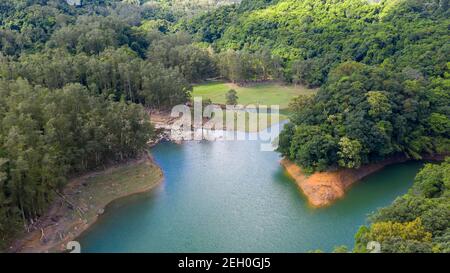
{"x": 313, "y": 36}
{"x": 367, "y": 113}
{"x": 74, "y": 81}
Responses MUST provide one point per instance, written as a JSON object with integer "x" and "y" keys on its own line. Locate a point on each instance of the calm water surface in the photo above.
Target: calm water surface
{"x": 232, "y": 197}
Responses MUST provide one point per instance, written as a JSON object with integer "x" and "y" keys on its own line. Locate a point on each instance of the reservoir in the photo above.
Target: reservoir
{"x": 229, "y": 196}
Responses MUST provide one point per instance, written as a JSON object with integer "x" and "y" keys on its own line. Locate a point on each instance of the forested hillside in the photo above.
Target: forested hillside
{"x": 73, "y": 83}
{"x": 314, "y": 36}
{"x": 383, "y": 69}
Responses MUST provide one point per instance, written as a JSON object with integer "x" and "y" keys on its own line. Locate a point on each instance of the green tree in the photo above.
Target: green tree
{"x": 231, "y": 97}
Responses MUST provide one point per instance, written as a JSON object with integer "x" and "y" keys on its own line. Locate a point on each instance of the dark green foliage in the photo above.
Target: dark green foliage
{"x": 244, "y": 67}
{"x": 177, "y": 51}
{"x": 112, "y": 73}
{"x": 70, "y": 78}
{"x": 211, "y": 26}
{"x": 365, "y": 114}
{"x": 33, "y": 22}
{"x": 47, "y": 135}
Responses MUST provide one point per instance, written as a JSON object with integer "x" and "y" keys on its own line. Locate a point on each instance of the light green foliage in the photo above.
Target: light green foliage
{"x": 349, "y": 153}
{"x": 417, "y": 221}
{"x": 433, "y": 181}
{"x": 72, "y": 79}
{"x": 440, "y": 123}
{"x": 395, "y": 237}
{"x": 314, "y": 36}
{"x": 408, "y": 113}
{"x": 379, "y": 104}
{"x": 341, "y": 249}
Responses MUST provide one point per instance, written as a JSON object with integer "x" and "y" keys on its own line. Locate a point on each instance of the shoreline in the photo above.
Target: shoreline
{"x": 322, "y": 189}
{"x": 52, "y": 231}
{"x": 163, "y": 122}
{"x": 75, "y": 211}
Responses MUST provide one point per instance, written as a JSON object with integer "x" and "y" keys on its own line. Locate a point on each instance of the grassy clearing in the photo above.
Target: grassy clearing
{"x": 253, "y": 122}
{"x": 264, "y": 93}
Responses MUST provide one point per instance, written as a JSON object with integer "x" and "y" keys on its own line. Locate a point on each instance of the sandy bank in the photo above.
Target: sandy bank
{"x": 83, "y": 200}
{"x": 323, "y": 188}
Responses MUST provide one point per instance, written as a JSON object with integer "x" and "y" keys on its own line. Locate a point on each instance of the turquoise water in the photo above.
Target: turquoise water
{"x": 231, "y": 197}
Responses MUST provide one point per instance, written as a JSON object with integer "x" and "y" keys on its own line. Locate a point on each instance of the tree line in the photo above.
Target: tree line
{"x": 416, "y": 222}
{"x": 312, "y": 37}
{"x": 114, "y": 73}
{"x": 48, "y": 134}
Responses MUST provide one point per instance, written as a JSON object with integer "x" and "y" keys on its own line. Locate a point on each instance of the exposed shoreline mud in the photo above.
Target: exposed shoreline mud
{"x": 324, "y": 188}
{"x": 83, "y": 200}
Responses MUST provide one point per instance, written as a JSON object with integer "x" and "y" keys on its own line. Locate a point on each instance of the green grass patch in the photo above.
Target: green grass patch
{"x": 249, "y": 121}
{"x": 258, "y": 94}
